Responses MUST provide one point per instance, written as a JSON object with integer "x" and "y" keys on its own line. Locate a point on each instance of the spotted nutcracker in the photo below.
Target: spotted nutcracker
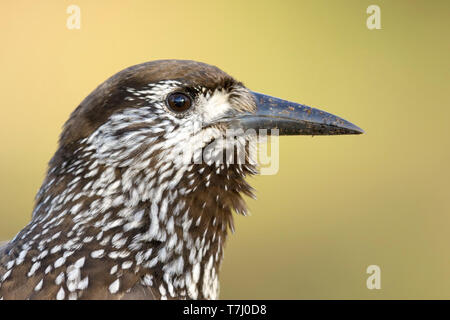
{"x": 121, "y": 214}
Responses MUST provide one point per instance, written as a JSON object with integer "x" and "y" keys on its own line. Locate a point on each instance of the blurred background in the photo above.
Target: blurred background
{"x": 338, "y": 204}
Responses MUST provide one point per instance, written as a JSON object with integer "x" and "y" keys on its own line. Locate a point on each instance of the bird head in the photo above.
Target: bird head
{"x": 146, "y": 178}
{"x": 173, "y": 128}
{"x": 160, "y": 106}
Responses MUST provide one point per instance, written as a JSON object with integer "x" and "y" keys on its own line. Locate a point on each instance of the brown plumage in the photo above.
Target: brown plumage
{"x": 58, "y": 194}
{"x": 135, "y": 204}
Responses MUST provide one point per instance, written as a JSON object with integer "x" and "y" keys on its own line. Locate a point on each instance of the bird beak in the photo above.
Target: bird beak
{"x": 291, "y": 118}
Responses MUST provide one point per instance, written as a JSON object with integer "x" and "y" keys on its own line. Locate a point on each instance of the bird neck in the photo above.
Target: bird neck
{"x": 126, "y": 216}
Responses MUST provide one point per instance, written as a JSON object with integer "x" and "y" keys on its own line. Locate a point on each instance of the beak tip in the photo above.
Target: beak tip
{"x": 357, "y": 130}
{"x": 343, "y": 127}
{"x": 346, "y": 127}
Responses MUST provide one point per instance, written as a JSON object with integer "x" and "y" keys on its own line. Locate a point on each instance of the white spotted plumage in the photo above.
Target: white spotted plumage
{"x": 128, "y": 201}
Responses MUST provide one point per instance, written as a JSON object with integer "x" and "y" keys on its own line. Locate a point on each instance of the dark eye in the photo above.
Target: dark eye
{"x": 179, "y": 102}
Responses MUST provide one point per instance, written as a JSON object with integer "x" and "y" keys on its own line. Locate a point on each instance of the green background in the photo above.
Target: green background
{"x": 338, "y": 204}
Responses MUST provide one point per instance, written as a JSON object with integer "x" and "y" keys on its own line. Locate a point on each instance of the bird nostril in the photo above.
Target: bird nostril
{"x": 179, "y": 102}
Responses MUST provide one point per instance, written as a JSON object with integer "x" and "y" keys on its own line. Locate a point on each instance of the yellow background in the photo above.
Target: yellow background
{"x": 338, "y": 204}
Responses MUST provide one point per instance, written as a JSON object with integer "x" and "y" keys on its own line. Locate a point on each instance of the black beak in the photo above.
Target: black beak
{"x": 293, "y": 119}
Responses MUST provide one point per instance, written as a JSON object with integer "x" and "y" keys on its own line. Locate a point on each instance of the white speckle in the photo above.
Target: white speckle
{"x": 99, "y": 235}
{"x": 59, "y": 262}
{"x": 6, "y": 275}
{"x": 114, "y": 287}
{"x": 162, "y": 290}
{"x": 55, "y": 249}
{"x": 48, "y": 269}
{"x": 151, "y": 263}
{"x": 113, "y": 269}
{"x": 33, "y": 269}
{"x": 80, "y": 263}
{"x": 83, "y": 284}
{"x": 196, "y": 272}
{"x": 127, "y": 264}
{"x": 67, "y": 254}
{"x": 148, "y": 280}
{"x": 39, "y": 285}
{"x": 10, "y": 264}
{"x": 97, "y": 253}
{"x": 73, "y": 278}
{"x": 113, "y": 255}
{"x": 105, "y": 241}
{"x": 61, "y": 294}
{"x": 21, "y": 257}
{"x": 76, "y": 207}
{"x": 88, "y": 239}
{"x": 59, "y": 279}
{"x": 42, "y": 255}
{"x": 171, "y": 290}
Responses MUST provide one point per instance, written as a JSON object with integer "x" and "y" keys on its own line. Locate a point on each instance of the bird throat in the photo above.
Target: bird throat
{"x": 131, "y": 227}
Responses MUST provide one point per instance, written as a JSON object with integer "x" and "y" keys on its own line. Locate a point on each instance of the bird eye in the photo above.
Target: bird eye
{"x": 179, "y": 102}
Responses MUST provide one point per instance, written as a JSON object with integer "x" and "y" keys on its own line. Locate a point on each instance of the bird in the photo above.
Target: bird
{"x": 128, "y": 208}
